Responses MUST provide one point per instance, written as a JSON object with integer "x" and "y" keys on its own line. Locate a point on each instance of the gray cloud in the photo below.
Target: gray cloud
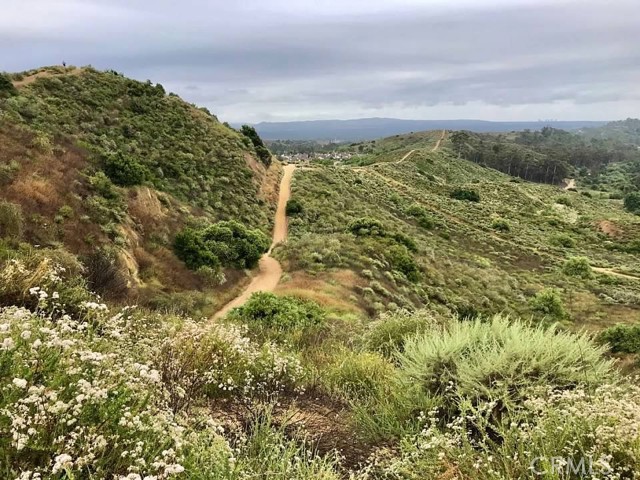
{"x": 250, "y": 60}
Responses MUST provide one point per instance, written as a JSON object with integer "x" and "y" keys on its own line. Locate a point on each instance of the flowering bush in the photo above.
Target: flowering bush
{"x": 220, "y": 361}
{"x": 70, "y": 404}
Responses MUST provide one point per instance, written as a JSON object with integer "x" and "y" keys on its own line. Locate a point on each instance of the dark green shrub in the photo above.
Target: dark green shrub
{"x": 261, "y": 150}
{"x": 578, "y": 267}
{"x": 562, "y": 240}
{"x": 500, "y": 225}
{"x": 632, "y": 202}
{"x": 105, "y": 275}
{"x": 401, "y": 260}
{"x": 228, "y": 243}
{"x": 6, "y": 87}
{"x": 367, "y": 226}
{"x": 421, "y": 215}
{"x": 549, "y": 303}
{"x": 622, "y": 338}
{"x": 283, "y": 319}
{"x": 564, "y": 201}
{"x": 465, "y": 194}
{"x": 294, "y": 207}
{"x": 405, "y": 240}
{"x": 124, "y": 171}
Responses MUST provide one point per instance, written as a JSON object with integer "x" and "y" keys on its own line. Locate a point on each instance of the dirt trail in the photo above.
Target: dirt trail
{"x": 405, "y": 157}
{"x": 437, "y": 145}
{"x": 570, "y": 183}
{"x": 46, "y": 73}
{"x": 269, "y": 269}
{"x": 609, "y": 271}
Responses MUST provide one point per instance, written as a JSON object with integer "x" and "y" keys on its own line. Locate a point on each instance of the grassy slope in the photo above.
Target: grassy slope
{"x": 56, "y": 135}
{"x": 465, "y": 262}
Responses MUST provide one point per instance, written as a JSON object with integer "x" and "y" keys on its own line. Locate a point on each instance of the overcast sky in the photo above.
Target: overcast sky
{"x": 273, "y": 60}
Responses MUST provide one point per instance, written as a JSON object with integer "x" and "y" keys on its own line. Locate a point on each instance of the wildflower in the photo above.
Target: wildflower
{"x": 7, "y": 344}
{"x": 20, "y": 382}
{"x": 25, "y": 335}
{"x": 61, "y": 462}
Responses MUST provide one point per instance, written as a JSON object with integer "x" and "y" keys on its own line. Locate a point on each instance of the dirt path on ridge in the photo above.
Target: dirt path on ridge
{"x": 47, "y": 74}
{"x": 269, "y": 269}
{"x": 437, "y": 145}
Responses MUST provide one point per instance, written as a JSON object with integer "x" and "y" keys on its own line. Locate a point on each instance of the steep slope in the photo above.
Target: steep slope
{"x": 97, "y": 162}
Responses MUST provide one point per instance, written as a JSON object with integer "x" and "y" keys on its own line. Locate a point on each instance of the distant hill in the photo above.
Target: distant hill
{"x": 624, "y": 131}
{"x": 371, "y": 128}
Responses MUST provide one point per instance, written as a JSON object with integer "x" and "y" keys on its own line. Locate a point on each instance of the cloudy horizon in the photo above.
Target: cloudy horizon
{"x": 278, "y": 60}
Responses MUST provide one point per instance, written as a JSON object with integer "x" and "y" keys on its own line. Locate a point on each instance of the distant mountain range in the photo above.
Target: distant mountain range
{"x": 371, "y": 128}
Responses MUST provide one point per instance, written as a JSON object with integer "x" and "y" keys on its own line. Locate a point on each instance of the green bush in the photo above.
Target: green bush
{"x": 6, "y": 87}
{"x": 358, "y": 375}
{"x": 549, "y": 303}
{"x": 11, "y": 221}
{"x": 622, "y": 338}
{"x": 578, "y": 267}
{"x": 401, "y": 260}
{"x": 421, "y": 215}
{"x": 228, "y": 243}
{"x": 388, "y": 333}
{"x": 465, "y": 194}
{"x": 562, "y": 240}
{"x": 294, "y": 207}
{"x": 632, "y": 202}
{"x": 261, "y": 150}
{"x": 564, "y": 201}
{"x": 367, "y": 226}
{"x": 124, "y": 171}
{"x": 276, "y": 316}
{"x": 500, "y": 361}
{"x": 501, "y": 225}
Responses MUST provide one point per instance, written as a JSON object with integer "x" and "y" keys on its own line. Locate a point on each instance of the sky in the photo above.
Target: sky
{"x": 281, "y": 60}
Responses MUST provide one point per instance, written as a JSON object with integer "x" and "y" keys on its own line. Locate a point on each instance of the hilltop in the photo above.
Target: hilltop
{"x": 111, "y": 169}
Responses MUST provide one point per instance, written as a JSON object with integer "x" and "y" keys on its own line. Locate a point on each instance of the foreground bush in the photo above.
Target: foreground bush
{"x": 578, "y": 267}
{"x": 548, "y": 303}
{"x": 599, "y": 430}
{"x": 500, "y": 361}
{"x": 388, "y": 334}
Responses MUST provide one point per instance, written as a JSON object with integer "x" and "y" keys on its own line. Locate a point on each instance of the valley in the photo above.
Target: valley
{"x": 176, "y": 302}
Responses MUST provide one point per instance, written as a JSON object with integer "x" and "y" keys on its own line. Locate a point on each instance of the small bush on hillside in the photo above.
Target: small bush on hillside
{"x": 6, "y": 87}
{"x": 548, "y": 302}
{"x": 563, "y": 240}
{"x": 228, "y": 243}
{"x": 294, "y": 207}
{"x": 501, "y": 225}
{"x": 578, "y": 267}
{"x": 632, "y": 202}
{"x": 465, "y": 194}
{"x": 390, "y": 331}
{"x": 276, "y": 317}
{"x": 11, "y": 221}
{"x": 104, "y": 274}
{"x": 622, "y": 338}
{"x": 421, "y": 215}
{"x": 358, "y": 375}
{"x": 405, "y": 240}
{"x": 500, "y": 361}
{"x": 124, "y": 170}
{"x": 367, "y": 226}
{"x": 564, "y": 201}
{"x": 401, "y": 260}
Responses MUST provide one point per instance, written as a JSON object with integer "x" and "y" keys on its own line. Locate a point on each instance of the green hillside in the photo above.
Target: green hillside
{"x": 428, "y": 311}
{"x": 112, "y": 169}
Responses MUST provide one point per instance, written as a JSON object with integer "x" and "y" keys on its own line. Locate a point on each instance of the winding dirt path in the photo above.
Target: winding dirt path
{"x": 269, "y": 269}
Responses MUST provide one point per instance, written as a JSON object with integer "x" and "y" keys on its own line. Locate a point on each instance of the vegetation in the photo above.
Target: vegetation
{"x": 632, "y": 202}
{"x": 229, "y": 244}
{"x": 261, "y": 149}
{"x": 465, "y": 194}
{"x": 622, "y": 338}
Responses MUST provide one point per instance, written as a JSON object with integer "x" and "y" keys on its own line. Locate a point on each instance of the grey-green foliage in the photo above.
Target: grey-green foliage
{"x": 499, "y": 360}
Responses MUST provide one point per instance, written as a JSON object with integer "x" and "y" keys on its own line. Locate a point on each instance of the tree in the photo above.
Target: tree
{"x": 632, "y": 202}
{"x": 124, "y": 170}
{"x": 261, "y": 149}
